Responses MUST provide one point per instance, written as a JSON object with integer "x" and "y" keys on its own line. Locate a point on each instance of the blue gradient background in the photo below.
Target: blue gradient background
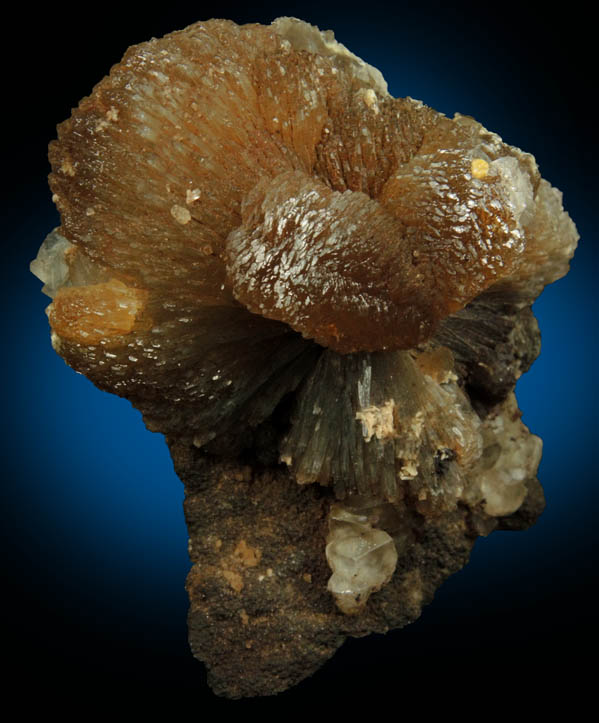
{"x": 94, "y": 535}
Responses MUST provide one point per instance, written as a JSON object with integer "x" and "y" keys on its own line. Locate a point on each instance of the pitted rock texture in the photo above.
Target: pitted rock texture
{"x": 261, "y": 617}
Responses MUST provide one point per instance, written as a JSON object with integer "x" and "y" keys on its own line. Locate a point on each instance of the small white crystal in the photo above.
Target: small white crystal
{"x": 362, "y": 559}
{"x": 517, "y": 186}
{"x": 50, "y": 265}
{"x": 511, "y": 457}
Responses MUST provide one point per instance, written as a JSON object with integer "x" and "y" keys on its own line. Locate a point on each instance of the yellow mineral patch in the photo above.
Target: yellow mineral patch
{"x": 90, "y": 314}
{"x": 479, "y": 167}
{"x": 234, "y": 579}
{"x": 249, "y": 556}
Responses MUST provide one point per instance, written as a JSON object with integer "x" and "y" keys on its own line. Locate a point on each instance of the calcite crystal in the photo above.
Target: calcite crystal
{"x": 362, "y": 557}
{"x": 320, "y": 295}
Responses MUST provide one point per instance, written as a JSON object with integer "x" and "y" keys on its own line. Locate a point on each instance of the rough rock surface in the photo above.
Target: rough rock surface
{"x": 261, "y": 617}
{"x": 320, "y": 295}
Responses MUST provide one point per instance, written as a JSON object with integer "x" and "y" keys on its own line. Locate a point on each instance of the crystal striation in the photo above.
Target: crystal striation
{"x": 320, "y": 295}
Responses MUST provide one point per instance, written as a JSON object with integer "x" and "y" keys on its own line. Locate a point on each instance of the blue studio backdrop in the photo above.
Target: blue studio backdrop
{"x": 93, "y": 526}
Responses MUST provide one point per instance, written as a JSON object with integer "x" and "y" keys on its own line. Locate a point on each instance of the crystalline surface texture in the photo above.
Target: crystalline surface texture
{"x": 320, "y": 295}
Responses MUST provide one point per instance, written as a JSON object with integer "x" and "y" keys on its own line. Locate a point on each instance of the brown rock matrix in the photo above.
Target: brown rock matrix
{"x": 320, "y": 295}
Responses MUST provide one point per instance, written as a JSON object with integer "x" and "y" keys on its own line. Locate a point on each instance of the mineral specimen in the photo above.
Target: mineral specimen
{"x": 320, "y": 295}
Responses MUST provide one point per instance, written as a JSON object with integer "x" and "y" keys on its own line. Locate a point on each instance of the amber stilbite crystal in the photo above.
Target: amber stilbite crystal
{"x": 320, "y": 295}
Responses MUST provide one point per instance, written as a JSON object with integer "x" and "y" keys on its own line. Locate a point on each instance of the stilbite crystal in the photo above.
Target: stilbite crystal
{"x": 320, "y": 295}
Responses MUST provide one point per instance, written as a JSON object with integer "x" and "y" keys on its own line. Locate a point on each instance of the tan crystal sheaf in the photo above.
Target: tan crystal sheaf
{"x": 320, "y": 294}
{"x": 95, "y": 312}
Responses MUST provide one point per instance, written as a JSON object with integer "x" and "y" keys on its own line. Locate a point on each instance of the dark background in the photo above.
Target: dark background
{"x": 94, "y": 541}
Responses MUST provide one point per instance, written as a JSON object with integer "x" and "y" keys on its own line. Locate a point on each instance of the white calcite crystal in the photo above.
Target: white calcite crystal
{"x": 510, "y": 458}
{"x": 50, "y": 265}
{"x": 362, "y": 558}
